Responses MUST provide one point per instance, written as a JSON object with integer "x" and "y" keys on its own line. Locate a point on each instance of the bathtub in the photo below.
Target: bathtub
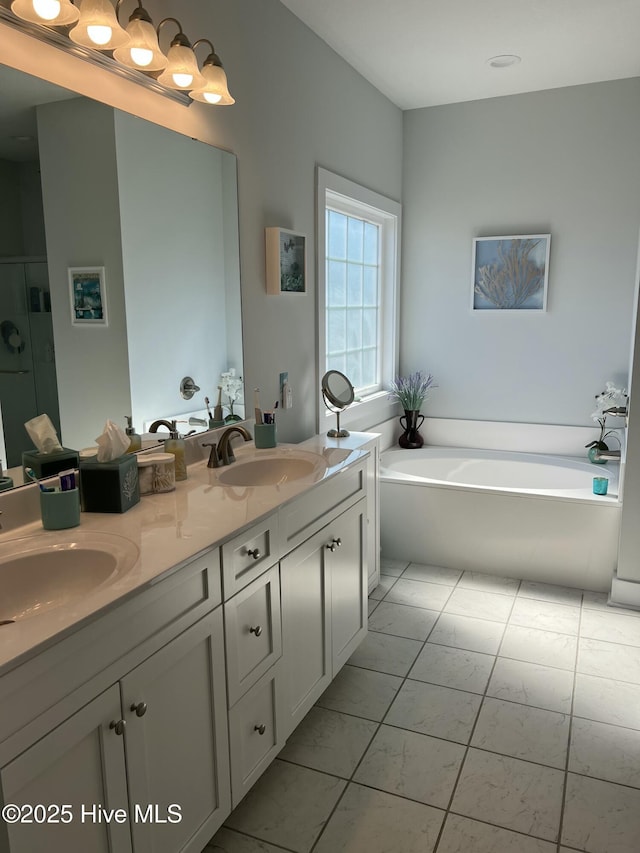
{"x": 522, "y": 515}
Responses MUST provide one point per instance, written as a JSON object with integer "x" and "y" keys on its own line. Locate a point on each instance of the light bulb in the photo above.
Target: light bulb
{"x": 210, "y": 98}
{"x": 183, "y": 80}
{"x": 99, "y": 34}
{"x": 47, "y": 9}
{"x": 141, "y": 56}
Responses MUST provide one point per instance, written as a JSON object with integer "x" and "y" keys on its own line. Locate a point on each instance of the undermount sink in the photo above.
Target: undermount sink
{"x": 274, "y": 470}
{"x": 38, "y": 573}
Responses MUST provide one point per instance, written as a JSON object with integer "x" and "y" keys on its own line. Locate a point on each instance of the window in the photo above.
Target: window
{"x": 358, "y": 239}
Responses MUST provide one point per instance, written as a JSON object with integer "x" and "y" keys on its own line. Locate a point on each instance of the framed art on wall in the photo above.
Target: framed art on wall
{"x": 286, "y": 257}
{"x": 88, "y": 296}
{"x": 510, "y": 273}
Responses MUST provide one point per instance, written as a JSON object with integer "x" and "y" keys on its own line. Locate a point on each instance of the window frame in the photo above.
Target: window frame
{"x": 355, "y": 200}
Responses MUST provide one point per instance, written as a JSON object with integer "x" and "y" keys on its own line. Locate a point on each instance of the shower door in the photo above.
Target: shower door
{"x": 28, "y": 384}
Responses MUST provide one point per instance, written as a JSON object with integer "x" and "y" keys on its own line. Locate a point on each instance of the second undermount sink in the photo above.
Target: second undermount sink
{"x": 38, "y": 573}
{"x": 274, "y": 469}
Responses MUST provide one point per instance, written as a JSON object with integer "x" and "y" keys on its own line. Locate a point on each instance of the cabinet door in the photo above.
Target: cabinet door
{"x": 177, "y": 741}
{"x": 346, "y": 544}
{"x": 255, "y": 732}
{"x": 80, "y": 764}
{"x": 252, "y": 633}
{"x": 306, "y": 639}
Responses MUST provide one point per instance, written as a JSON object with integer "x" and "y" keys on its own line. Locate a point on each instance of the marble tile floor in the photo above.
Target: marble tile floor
{"x": 480, "y": 715}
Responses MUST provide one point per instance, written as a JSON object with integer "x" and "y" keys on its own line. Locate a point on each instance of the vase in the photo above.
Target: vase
{"x": 410, "y": 422}
{"x": 594, "y": 450}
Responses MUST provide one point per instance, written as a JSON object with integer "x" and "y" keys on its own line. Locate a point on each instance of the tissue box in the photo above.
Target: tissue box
{"x": 109, "y": 486}
{"x": 49, "y": 464}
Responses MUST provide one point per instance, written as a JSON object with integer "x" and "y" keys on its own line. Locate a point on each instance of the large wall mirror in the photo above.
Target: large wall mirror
{"x": 86, "y": 186}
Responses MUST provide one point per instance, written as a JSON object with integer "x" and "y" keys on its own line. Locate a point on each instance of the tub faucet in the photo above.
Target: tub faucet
{"x": 225, "y": 450}
{"x": 607, "y": 454}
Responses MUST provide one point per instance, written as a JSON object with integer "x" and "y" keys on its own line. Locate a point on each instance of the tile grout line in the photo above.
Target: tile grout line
{"x": 473, "y": 728}
{"x": 563, "y": 802}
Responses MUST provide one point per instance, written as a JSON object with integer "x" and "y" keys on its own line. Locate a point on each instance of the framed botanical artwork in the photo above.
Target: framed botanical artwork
{"x": 510, "y": 273}
{"x": 286, "y": 261}
{"x": 88, "y": 296}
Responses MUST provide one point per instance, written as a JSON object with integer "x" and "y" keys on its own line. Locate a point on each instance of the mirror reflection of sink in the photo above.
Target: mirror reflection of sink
{"x": 38, "y": 573}
{"x": 274, "y": 470}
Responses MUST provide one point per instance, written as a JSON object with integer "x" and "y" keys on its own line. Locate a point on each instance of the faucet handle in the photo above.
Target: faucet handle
{"x": 214, "y": 459}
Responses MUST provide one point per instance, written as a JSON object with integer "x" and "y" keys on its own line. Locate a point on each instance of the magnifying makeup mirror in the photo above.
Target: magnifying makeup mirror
{"x": 337, "y": 393}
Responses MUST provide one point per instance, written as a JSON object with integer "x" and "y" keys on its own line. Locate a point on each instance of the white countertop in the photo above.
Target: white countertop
{"x": 169, "y": 530}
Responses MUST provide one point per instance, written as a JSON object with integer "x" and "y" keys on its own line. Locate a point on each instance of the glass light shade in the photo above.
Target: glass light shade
{"x": 98, "y": 26}
{"x": 56, "y": 13}
{"x": 215, "y": 90}
{"x": 182, "y": 69}
{"x": 143, "y": 51}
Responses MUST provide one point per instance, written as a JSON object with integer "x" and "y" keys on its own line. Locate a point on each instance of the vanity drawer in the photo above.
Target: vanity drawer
{"x": 246, "y": 556}
{"x": 308, "y": 513}
{"x": 252, "y": 633}
{"x": 255, "y": 732}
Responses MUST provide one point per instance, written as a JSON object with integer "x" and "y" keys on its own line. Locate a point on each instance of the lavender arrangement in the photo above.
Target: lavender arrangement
{"x": 411, "y": 391}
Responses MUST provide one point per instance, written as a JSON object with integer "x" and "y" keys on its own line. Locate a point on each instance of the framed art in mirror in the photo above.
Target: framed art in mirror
{"x": 286, "y": 255}
{"x": 88, "y": 296}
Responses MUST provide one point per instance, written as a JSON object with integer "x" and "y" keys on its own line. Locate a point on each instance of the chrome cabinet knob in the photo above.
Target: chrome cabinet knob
{"x": 260, "y": 729}
{"x": 335, "y": 543}
{"x": 253, "y": 552}
{"x": 118, "y": 726}
{"x": 140, "y": 708}
{"x": 257, "y": 630}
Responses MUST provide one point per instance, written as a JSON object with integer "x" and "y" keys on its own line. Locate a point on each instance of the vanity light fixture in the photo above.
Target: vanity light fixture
{"x": 52, "y": 13}
{"x": 98, "y": 26}
{"x": 216, "y": 88}
{"x": 143, "y": 51}
{"x": 182, "y": 70}
{"x": 91, "y": 30}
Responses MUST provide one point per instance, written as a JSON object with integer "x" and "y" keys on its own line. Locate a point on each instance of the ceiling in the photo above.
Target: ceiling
{"x": 420, "y": 53}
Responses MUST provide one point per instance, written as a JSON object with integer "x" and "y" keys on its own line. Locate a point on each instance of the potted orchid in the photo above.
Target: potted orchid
{"x": 411, "y": 392}
{"x": 231, "y": 386}
{"x": 611, "y": 398}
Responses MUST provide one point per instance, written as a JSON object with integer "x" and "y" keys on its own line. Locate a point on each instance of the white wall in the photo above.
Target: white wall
{"x": 170, "y": 190}
{"x": 297, "y": 105}
{"x": 565, "y": 161}
{"x": 83, "y": 229}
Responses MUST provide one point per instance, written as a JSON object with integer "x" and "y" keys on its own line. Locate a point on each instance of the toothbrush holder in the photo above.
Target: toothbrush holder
{"x": 60, "y": 510}
{"x": 264, "y": 435}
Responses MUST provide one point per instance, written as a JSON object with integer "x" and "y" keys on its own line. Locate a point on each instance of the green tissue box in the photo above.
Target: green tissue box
{"x": 109, "y": 486}
{"x": 49, "y": 464}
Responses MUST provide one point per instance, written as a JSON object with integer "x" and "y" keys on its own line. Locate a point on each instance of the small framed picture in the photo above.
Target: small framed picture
{"x": 88, "y": 296}
{"x": 510, "y": 273}
{"x": 286, "y": 261}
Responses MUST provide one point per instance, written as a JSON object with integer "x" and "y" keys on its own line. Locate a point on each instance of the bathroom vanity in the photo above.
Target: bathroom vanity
{"x": 137, "y": 718}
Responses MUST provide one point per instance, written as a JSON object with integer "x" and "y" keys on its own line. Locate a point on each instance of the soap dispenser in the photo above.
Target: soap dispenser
{"x": 175, "y": 444}
{"x": 135, "y": 440}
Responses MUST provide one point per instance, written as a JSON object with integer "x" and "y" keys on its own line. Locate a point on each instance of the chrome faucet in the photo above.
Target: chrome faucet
{"x": 607, "y": 454}
{"x": 225, "y": 450}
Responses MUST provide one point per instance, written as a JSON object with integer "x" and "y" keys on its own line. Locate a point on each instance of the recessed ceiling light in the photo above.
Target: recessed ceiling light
{"x": 504, "y": 60}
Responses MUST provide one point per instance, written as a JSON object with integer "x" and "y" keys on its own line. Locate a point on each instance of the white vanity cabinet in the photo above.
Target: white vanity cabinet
{"x": 155, "y": 738}
{"x": 141, "y": 730}
{"x": 324, "y": 607}
{"x": 80, "y": 762}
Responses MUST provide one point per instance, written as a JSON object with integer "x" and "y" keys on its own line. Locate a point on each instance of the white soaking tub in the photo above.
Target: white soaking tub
{"x": 523, "y": 515}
